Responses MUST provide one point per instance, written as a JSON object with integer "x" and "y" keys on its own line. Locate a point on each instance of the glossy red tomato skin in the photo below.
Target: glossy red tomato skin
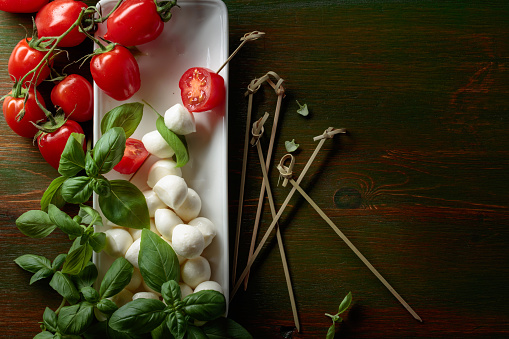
{"x": 116, "y": 72}
{"x": 134, "y": 23}
{"x": 56, "y": 17}
{"x": 51, "y": 145}
{"x": 23, "y": 59}
{"x": 11, "y": 108}
{"x": 22, "y": 6}
{"x": 199, "y": 81}
{"x": 75, "y": 96}
{"x": 134, "y": 156}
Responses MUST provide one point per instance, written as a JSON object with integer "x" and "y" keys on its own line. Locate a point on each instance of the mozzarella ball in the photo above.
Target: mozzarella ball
{"x": 136, "y": 233}
{"x": 180, "y": 258}
{"x": 165, "y": 221}
{"x": 187, "y": 241}
{"x": 122, "y": 298}
{"x": 195, "y": 271}
{"x": 191, "y": 207}
{"x": 206, "y": 228}
{"x": 153, "y": 202}
{"x": 135, "y": 281}
{"x": 118, "y": 241}
{"x": 156, "y": 145}
{"x": 162, "y": 168}
{"x": 172, "y": 190}
{"x": 185, "y": 290}
{"x": 209, "y": 285}
{"x": 145, "y": 295}
{"x": 179, "y": 120}
{"x": 133, "y": 252}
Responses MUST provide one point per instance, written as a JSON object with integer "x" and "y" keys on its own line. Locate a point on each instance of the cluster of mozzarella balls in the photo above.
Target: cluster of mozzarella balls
{"x": 174, "y": 210}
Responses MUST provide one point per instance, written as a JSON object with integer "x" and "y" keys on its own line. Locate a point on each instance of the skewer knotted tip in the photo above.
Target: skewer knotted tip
{"x": 285, "y": 172}
{"x": 329, "y": 133}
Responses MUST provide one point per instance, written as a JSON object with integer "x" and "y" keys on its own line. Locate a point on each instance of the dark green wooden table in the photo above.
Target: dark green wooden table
{"x": 419, "y": 184}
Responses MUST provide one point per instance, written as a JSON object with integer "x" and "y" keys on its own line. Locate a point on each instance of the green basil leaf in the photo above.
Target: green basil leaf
{"x": 64, "y": 286}
{"x": 35, "y": 224}
{"x": 125, "y": 206}
{"x": 347, "y": 300}
{"x": 58, "y": 261}
{"x": 171, "y": 292}
{"x": 177, "y": 323}
{"x": 109, "y": 149}
{"x": 86, "y": 277}
{"x": 41, "y": 274}
{"x": 90, "y": 294}
{"x": 331, "y": 332}
{"x": 176, "y": 142}
{"x": 157, "y": 261}
{"x": 97, "y": 241}
{"x": 77, "y": 190}
{"x": 91, "y": 167}
{"x": 90, "y": 216}
{"x": 72, "y": 160}
{"x": 224, "y": 328}
{"x": 75, "y": 319}
{"x": 116, "y": 278}
{"x": 101, "y": 186}
{"x": 49, "y": 319}
{"x": 106, "y": 306}
{"x": 161, "y": 332}
{"x": 138, "y": 316}
{"x": 44, "y": 335}
{"x": 64, "y": 221}
{"x": 77, "y": 259}
{"x": 194, "y": 332}
{"x": 53, "y": 194}
{"x": 32, "y": 263}
{"x": 128, "y": 116}
{"x": 205, "y": 305}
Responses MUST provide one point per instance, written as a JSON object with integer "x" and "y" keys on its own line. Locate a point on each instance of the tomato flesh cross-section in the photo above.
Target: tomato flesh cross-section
{"x": 201, "y": 89}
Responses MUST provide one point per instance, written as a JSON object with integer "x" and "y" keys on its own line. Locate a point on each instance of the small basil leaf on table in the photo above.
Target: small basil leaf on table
{"x": 35, "y": 224}
{"x": 65, "y": 287}
{"x": 109, "y": 149}
{"x": 53, "y": 194}
{"x": 125, "y": 206}
{"x": 77, "y": 190}
{"x": 86, "y": 277}
{"x": 127, "y": 116}
{"x": 64, "y": 222}
{"x": 205, "y": 305}
{"x": 49, "y": 319}
{"x": 224, "y": 328}
{"x": 77, "y": 259}
{"x": 347, "y": 300}
{"x": 72, "y": 159}
{"x": 176, "y": 142}
{"x": 157, "y": 260}
{"x": 138, "y": 316}
{"x": 41, "y": 274}
{"x": 32, "y": 263}
{"x": 331, "y": 332}
{"x": 177, "y": 323}
{"x": 171, "y": 292}
{"x": 116, "y": 278}
{"x": 75, "y": 319}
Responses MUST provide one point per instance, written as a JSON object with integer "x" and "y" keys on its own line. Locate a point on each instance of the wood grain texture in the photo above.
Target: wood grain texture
{"x": 419, "y": 184}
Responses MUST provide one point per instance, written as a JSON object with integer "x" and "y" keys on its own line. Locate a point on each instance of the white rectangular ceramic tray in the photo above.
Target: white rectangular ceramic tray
{"x": 196, "y": 35}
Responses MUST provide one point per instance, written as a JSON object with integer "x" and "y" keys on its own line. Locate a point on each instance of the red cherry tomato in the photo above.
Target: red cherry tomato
{"x": 116, "y": 72}
{"x": 21, "y": 6}
{"x": 33, "y": 113}
{"x": 134, "y": 156}
{"x": 201, "y": 89}
{"x": 51, "y": 145}
{"x": 135, "y": 22}
{"x": 56, "y": 17}
{"x": 23, "y": 59}
{"x": 75, "y": 96}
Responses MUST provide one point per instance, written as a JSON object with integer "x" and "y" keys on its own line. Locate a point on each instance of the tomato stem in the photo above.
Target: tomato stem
{"x": 164, "y": 9}
{"x": 247, "y": 37}
{"x": 102, "y": 19}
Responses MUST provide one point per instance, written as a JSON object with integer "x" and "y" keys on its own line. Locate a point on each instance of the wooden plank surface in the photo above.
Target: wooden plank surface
{"x": 418, "y": 185}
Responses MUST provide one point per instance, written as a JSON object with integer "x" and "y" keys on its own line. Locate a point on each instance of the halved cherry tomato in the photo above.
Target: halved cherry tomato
{"x": 201, "y": 89}
{"x": 21, "y": 6}
{"x": 23, "y": 59}
{"x": 57, "y": 17}
{"x": 33, "y": 113}
{"x": 134, "y": 22}
{"x": 134, "y": 156}
{"x": 116, "y": 72}
{"x": 51, "y": 145}
{"x": 75, "y": 96}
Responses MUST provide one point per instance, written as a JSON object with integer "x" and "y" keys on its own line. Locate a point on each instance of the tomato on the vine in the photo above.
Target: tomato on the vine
{"x": 21, "y": 6}
{"x": 12, "y": 108}
{"x": 134, "y": 22}
{"x": 75, "y": 96}
{"x": 57, "y": 17}
{"x": 134, "y": 156}
{"x": 25, "y": 58}
{"x": 51, "y": 145}
{"x": 116, "y": 72}
{"x": 201, "y": 89}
